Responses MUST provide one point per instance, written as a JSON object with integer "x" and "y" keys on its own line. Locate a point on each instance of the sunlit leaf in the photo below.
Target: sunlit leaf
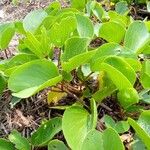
{"x": 145, "y": 74}
{"x": 20, "y": 142}
{"x": 93, "y": 141}
{"x": 140, "y": 132}
{"x": 33, "y": 20}
{"x": 57, "y": 145}
{"x": 77, "y": 120}
{"x": 115, "y": 142}
{"x": 137, "y": 36}
{"x": 46, "y": 132}
{"x": 7, "y": 31}
{"x": 32, "y": 77}
{"x": 112, "y": 32}
{"x": 60, "y": 32}
{"x": 78, "y": 4}
{"x": 84, "y": 26}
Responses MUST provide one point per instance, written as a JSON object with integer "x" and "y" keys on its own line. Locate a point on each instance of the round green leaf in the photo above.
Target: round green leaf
{"x": 33, "y": 20}
{"x": 144, "y": 121}
{"x": 122, "y": 7}
{"x": 112, "y": 32}
{"x": 127, "y": 97}
{"x": 57, "y": 145}
{"x": 32, "y": 77}
{"x": 74, "y": 46}
{"x": 60, "y": 32}
{"x": 137, "y": 36}
{"x": 84, "y": 26}
{"x": 75, "y": 126}
{"x": 46, "y": 132}
{"x": 7, "y": 31}
{"x": 93, "y": 141}
{"x": 114, "y": 143}
{"x": 140, "y": 132}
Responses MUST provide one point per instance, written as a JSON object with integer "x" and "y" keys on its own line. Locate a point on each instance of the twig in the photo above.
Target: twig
{"x": 6, "y": 53}
{"x": 106, "y": 107}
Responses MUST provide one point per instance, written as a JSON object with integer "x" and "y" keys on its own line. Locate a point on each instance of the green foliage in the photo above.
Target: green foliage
{"x": 108, "y": 32}
{"x": 120, "y": 126}
{"x": 31, "y": 23}
{"x": 7, "y": 31}
{"x": 20, "y": 142}
{"x": 6, "y": 145}
{"x": 136, "y": 36}
{"x": 46, "y": 132}
{"x": 57, "y": 145}
{"x": 56, "y": 51}
{"x": 142, "y": 127}
{"x": 2, "y": 84}
{"x": 32, "y": 77}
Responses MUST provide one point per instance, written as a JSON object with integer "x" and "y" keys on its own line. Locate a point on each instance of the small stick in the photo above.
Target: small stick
{"x": 6, "y": 53}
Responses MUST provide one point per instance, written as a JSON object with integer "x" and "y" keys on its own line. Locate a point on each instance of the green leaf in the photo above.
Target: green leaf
{"x": 32, "y": 77}
{"x": 57, "y": 145}
{"x": 144, "y": 121}
{"x": 127, "y": 97}
{"x": 118, "y": 68}
{"x": 78, "y": 4}
{"x": 16, "y": 61}
{"x": 120, "y": 126}
{"x": 93, "y": 113}
{"x": 109, "y": 122}
{"x": 137, "y": 144}
{"x": 60, "y": 32}
{"x": 112, "y": 32}
{"x": 95, "y": 8}
{"x": 93, "y": 141}
{"x": 40, "y": 47}
{"x": 7, "y": 31}
{"x": 46, "y": 132}
{"x": 84, "y": 26}
{"x": 31, "y": 23}
{"x": 20, "y": 142}
{"x": 134, "y": 63}
{"x": 137, "y": 36}
{"x": 121, "y": 19}
{"x": 145, "y": 74}
{"x": 75, "y": 53}
{"x": 145, "y": 96}
{"x": 53, "y": 8}
{"x": 75, "y": 46}
{"x": 77, "y": 60}
{"x": 77, "y": 120}
{"x": 6, "y": 145}
{"x": 140, "y": 132}
{"x": 103, "y": 51}
{"x": 19, "y": 27}
{"x": 104, "y": 92}
{"x": 122, "y": 7}
{"x": 14, "y": 101}
{"x": 2, "y": 84}
{"x": 114, "y": 143}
